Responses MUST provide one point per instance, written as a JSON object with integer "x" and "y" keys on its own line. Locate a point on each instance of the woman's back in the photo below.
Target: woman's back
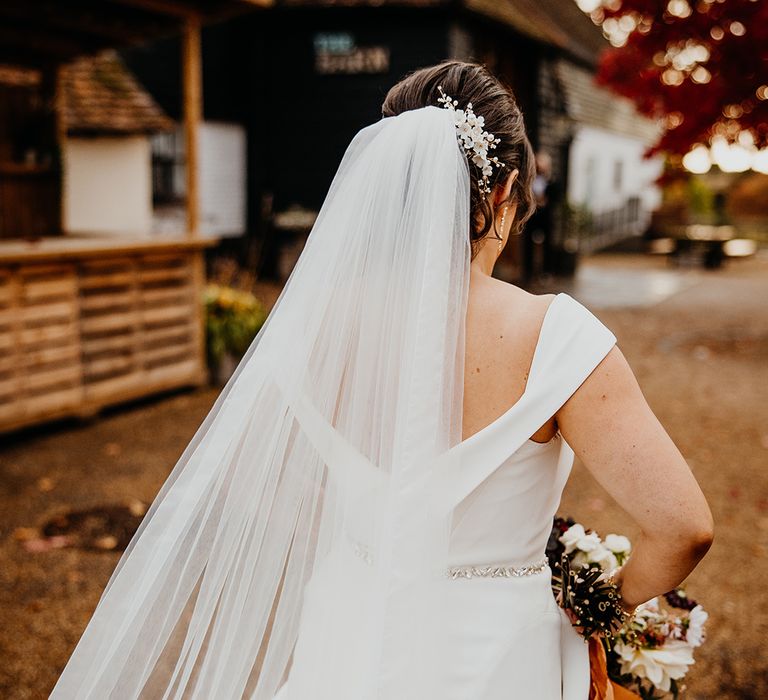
{"x": 502, "y": 329}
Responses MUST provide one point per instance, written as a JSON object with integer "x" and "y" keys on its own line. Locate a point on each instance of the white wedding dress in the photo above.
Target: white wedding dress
{"x": 301, "y": 546}
{"x": 506, "y": 638}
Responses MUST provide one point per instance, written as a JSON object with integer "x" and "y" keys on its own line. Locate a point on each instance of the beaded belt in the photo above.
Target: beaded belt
{"x": 496, "y": 570}
{"x": 455, "y": 572}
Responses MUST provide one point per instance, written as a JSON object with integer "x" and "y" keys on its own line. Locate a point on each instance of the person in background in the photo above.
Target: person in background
{"x": 538, "y": 238}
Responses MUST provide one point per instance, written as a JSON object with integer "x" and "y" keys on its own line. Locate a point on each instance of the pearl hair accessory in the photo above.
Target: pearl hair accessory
{"x": 475, "y": 141}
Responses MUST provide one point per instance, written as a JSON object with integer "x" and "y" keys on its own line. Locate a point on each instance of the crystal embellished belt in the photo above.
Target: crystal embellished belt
{"x": 496, "y": 570}
{"x": 454, "y": 572}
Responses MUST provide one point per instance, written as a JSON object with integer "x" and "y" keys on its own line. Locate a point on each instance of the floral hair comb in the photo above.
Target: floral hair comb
{"x": 471, "y": 136}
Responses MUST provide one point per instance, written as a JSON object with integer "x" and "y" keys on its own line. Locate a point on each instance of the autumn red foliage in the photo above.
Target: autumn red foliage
{"x": 728, "y": 93}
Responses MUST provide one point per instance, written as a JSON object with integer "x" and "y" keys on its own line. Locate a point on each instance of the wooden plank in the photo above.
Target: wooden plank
{"x": 168, "y": 374}
{"x": 44, "y": 270}
{"x": 51, "y": 401}
{"x": 164, "y": 275}
{"x": 114, "y": 389}
{"x": 64, "y": 353}
{"x": 106, "y": 300}
{"x": 104, "y": 265}
{"x": 58, "y": 333}
{"x": 104, "y": 324}
{"x": 117, "y": 389}
{"x": 105, "y": 279}
{"x": 109, "y": 392}
{"x": 160, "y": 335}
{"x": 181, "y": 10}
{"x": 86, "y": 249}
{"x": 9, "y": 412}
{"x": 163, "y": 259}
{"x": 60, "y": 375}
{"x": 161, "y": 295}
{"x": 110, "y": 343}
{"x": 154, "y": 356}
{"x": 117, "y": 364}
{"x": 60, "y": 310}
{"x": 166, "y": 314}
{"x": 10, "y": 387}
{"x": 38, "y": 290}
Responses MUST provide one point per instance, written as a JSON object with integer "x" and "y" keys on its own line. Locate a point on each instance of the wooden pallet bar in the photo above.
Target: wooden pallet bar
{"x": 89, "y": 325}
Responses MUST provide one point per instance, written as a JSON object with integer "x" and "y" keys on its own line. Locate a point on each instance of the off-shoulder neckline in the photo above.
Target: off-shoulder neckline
{"x": 536, "y": 351}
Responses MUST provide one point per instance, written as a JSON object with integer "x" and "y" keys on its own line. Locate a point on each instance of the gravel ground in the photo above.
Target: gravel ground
{"x": 700, "y": 355}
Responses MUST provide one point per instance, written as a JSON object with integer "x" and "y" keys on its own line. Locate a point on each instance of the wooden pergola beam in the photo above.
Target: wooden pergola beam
{"x": 180, "y": 10}
{"x": 106, "y": 27}
{"x": 200, "y": 10}
{"x": 37, "y": 32}
{"x": 28, "y": 40}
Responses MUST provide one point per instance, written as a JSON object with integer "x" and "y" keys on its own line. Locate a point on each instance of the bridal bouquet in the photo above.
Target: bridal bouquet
{"x": 648, "y": 653}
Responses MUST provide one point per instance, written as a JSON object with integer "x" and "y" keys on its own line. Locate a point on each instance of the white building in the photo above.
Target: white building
{"x": 124, "y": 160}
{"x": 608, "y": 176}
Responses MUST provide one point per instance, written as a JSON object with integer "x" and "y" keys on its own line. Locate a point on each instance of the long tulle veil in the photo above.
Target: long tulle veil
{"x": 293, "y": 550}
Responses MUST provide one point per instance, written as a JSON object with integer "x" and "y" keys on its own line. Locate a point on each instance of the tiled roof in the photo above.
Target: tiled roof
{"x": 101, "y": 96}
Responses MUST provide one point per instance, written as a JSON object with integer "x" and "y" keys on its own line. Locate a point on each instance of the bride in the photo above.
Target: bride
{"x": 364, "y": 512}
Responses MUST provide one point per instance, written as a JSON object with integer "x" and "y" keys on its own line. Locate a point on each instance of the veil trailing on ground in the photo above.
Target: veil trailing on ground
{"x": 292, "y": 549}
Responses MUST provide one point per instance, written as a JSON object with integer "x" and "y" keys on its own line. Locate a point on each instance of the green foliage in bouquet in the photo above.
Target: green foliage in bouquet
{"x": 232, "y": 320}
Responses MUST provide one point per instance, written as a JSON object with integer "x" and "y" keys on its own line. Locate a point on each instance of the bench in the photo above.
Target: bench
{"x": 710, "y": 250}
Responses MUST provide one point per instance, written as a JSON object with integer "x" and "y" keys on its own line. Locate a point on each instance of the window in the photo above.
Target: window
{"x": 618, "y": 175}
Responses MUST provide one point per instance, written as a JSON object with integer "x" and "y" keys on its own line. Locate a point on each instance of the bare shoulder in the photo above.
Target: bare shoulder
{"x": 504, "y": 322}
{"x": 514, "y": 303}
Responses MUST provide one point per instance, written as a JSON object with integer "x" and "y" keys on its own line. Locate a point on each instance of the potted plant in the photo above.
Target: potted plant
{"x": 233, "y": 317}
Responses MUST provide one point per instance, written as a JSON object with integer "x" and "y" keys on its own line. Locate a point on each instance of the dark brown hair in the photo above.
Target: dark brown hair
{"x": 495, "y": 102}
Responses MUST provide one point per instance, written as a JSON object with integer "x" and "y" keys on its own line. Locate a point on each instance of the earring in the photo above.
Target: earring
{"x": 501, "y": 240}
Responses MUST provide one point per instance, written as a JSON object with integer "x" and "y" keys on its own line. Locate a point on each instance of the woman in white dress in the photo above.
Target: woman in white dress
{"x": 363, "y": 514}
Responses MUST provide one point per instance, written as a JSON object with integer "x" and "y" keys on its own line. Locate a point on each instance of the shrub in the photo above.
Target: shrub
{"x": 232, "y": 320}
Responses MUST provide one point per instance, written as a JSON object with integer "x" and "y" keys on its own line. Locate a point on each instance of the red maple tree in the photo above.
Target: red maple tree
{"x": 699, "y": 65}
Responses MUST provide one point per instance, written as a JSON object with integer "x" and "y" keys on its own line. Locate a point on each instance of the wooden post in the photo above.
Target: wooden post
{"x": 193, "y": 108}
{"x": 192, "y": 70}
{"x": 61, "y": 141}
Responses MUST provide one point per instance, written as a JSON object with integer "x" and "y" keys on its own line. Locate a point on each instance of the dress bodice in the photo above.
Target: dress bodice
{"x": 508, "y": 518}
{"x": 506, "y": 488}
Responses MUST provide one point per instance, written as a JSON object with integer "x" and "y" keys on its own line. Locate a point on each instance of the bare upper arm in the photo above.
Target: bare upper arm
{"x": 614, "y": 432}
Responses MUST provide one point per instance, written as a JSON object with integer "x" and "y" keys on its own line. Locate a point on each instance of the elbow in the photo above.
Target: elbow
{"x": 700, "y": 537}
{"x": 705, "y": 541}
